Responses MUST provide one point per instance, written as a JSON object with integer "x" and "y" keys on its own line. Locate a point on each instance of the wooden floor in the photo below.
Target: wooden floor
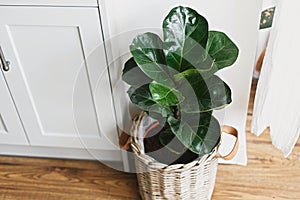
{"x": 267, "y": 176}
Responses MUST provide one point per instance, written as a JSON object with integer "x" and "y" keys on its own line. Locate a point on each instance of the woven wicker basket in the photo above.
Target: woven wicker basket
{"x": 195, "y": 180}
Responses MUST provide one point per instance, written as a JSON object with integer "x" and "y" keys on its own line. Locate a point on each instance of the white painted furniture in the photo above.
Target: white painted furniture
{"x": 56, "y": 55}
{"x": 52, "y": 3}
{"x": 11, "y": 130}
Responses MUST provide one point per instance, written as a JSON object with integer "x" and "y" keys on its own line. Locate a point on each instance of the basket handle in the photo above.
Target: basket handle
{"x": 231, "y": 131}
{"x": 134, "y": 140}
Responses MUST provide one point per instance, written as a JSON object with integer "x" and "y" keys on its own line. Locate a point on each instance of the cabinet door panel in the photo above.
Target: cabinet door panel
{"x": 11, "y": 130}
{"x": 52, "y": 77}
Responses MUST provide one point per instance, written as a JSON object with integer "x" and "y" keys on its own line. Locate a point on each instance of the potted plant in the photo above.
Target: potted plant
{"x": 173, "y": 81}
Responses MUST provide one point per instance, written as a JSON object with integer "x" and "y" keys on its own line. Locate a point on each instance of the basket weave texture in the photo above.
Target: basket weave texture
{"x": 192, "y": 181}
{"x": 195, "y": 180}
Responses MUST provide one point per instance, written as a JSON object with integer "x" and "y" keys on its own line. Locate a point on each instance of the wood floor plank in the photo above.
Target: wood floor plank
{"x": 267, "y": 176}
{"x": 57, "y": 179}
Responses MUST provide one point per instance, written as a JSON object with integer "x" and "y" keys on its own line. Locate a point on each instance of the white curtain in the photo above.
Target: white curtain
{"x": 277, "y": 103}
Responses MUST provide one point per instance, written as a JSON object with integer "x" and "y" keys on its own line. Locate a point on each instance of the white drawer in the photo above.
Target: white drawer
{"x": 81, "y": 3}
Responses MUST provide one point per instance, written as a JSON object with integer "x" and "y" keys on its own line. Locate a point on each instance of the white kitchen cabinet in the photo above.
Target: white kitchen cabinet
{"x": 56, "y": 55}
{"x": 61, "y": 3}
{"x": 11, "y": 130}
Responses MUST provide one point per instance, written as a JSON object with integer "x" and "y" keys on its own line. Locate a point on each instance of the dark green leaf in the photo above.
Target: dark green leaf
{"x": 223, "y": 51}
{"x": 204, "y": 94}
{"x": 165, "y": 96}
{"x": 147, "y": 51}
{"x": 199, "y": 133}
{"x": 187, "y": 73}
{"x": 188, "y": 87}
{"x": 159, "y": 113}
{"x": 133, "y": 75}
{"x": 168, "y": 139}
{"x": 216, "y": 94}
{"x": 142, "y": 98}
{"x": 205, "y": 74}
{"x": 185, "y": 38}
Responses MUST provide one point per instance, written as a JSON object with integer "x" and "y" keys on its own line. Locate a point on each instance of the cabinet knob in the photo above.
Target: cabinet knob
{"x": 4, "y": 63}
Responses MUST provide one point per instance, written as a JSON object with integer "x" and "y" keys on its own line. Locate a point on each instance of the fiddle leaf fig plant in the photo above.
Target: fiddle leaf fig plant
{"x": 173, "y": 79}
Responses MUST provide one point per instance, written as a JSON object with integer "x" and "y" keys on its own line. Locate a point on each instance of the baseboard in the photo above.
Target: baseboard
{"x": 64, "y": 153}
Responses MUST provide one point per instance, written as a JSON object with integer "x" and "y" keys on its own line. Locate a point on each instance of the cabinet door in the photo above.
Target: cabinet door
{"x": 11, "y": 130}
{"x": 56, "y": 56}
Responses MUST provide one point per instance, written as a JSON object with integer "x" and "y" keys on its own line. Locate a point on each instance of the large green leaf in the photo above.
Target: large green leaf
{"x": 223, "y": 51}
{"x": 216, "y": 94}
{"x": 200, "y": 134}
{"x": 165, "y": 96}
{"x": 133, "y": 75}
{"x": 204, "y": 94}
{"x": 169, "y": 140}
{"x": 142, "y": 98}
{"x": 159, "y": 113}
{"x": 205, "y": 74}
{"x": 147, "y": 51}
{"x": 188, "y": 87}
{"x": 185, "y": 38}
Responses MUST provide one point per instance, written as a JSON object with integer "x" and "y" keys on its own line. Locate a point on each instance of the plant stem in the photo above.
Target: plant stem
{"x": 175, "y": 111}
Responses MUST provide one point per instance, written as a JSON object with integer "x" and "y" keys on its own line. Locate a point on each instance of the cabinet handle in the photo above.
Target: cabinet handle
{"x": 5, "y": 64}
